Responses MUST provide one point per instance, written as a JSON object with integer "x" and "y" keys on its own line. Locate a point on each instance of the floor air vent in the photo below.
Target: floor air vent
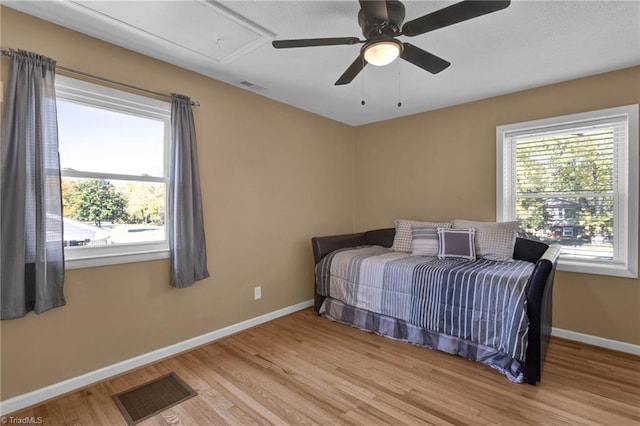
{"x": 148, "y": 399}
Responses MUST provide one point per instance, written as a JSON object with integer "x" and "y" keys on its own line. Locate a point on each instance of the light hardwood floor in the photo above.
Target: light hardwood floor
{"x": 303, "y": 369}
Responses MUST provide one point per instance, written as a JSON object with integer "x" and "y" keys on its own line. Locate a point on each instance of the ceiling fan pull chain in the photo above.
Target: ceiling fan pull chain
{"x": 399, "y": 92}
{"x": 362, "y": 102}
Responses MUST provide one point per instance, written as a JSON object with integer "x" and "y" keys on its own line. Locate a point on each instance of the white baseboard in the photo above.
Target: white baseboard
{"x": 32, "y": 398}
{"x": 596, "y": 341}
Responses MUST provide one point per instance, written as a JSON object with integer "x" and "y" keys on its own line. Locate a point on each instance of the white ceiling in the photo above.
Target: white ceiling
{"x": 529, "y": 44}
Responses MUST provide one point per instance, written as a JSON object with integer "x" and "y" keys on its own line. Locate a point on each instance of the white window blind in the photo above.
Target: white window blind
{"x": 572, "y": 181}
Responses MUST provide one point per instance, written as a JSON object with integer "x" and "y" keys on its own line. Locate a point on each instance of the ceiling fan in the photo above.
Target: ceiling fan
{"x": 381, "y": 23}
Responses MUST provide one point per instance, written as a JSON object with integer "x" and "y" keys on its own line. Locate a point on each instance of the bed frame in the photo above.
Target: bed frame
{"x": 539, "y": 293}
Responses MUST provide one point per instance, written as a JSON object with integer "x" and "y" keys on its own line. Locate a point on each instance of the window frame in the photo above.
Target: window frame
{"x": 93, "y": 95}
{"x": 625, "y": 261}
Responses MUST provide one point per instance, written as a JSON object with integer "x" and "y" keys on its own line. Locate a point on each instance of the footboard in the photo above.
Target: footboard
{"x": 539, "y": 303}
{"x": 322, "y": 246}
{"x": 539, "y": 293}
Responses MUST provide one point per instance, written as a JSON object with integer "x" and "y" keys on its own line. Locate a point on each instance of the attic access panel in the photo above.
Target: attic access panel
{"x": 202, "y": 27}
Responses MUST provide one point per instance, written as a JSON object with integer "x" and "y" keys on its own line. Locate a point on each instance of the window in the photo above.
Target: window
{"x": 114, "y": 162}
{"x": 573, "y": 181}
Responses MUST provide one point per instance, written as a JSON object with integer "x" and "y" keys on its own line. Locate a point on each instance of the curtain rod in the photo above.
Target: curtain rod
{"x": 5, "y": 52}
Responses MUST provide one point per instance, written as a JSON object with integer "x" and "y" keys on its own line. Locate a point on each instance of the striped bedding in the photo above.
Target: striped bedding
{"x": 476, "y": 309}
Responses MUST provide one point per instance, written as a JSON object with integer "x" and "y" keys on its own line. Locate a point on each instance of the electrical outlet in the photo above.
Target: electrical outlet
{"x": 257, "y": 293}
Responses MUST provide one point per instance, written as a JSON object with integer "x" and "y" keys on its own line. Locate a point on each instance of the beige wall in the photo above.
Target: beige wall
{"x": 264, "y": 166}
{"x": 441, "y": 165}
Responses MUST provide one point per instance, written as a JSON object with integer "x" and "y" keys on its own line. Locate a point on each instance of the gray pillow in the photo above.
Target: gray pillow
{"x": 456, "y": 243}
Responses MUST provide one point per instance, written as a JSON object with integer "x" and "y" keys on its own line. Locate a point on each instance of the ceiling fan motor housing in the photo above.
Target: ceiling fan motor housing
{"x": 383, "y": 29}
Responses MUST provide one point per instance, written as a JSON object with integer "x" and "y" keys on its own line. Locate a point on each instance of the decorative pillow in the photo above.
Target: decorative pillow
{"x": 402, "y": 239}
{"x": 494, "y": 240}
{"x": 456, "y": 243}
{"x": 424, "y": 241}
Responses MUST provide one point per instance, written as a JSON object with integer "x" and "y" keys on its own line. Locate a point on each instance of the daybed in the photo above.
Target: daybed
{"x": 468, "y": 309}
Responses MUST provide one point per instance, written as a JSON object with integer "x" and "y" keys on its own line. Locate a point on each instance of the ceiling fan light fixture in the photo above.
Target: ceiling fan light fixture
{"x": 381, "y": 52}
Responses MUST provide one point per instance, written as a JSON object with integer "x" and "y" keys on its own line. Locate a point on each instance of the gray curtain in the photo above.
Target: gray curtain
{"x": 31, "y": 242}
{"x": 186, "y": 226}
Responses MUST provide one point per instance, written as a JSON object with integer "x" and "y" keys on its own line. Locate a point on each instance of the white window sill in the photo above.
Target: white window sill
{"x": 115, "y": 259}
{"x": 609, "y": 269}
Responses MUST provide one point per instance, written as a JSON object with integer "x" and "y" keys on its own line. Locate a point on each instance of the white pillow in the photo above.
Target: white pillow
{"x": 424, "y": 241}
